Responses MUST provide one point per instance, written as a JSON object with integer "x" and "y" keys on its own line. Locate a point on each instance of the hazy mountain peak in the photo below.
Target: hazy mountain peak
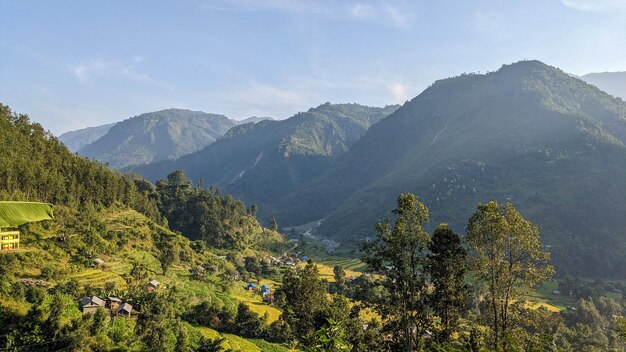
{"x": 158, "y": 135}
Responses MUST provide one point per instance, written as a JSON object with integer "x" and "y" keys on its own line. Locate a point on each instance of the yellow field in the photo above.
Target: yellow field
{"x": 98, "y": 278}
{"x": 254, "y": 300}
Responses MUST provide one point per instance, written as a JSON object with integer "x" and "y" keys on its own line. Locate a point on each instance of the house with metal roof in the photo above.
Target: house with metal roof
{"x": 91, "y": 304}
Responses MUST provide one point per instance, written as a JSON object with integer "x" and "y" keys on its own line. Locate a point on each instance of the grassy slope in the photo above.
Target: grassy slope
{"x": 139, "y": 248}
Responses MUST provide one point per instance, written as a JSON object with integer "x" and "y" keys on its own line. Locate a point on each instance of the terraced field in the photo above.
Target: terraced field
{"x": 97, "y": 278}
{"x": 352, "y": 267}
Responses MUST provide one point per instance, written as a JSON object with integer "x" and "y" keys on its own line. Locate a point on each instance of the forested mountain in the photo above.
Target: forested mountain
{"x": 613, "y": 83}
{"x": 36, "y": 166}
{"x": 74, "y": 140}
{"x": 529, "y": 133}
{"x": 264, "y": 161}
{"x": 156, "y": 136}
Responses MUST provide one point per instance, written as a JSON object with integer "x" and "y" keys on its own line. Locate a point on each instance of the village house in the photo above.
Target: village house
{"x": 268, "y": 298}
{"x": 91, "y": 304}
{"x": 152, "y": 286}
{"x": 251, "y": 287}
{"x": 113, "y": 303}
{"x": 124, "y": 310}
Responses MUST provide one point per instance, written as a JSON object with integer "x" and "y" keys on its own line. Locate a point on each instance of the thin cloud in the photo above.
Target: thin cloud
{"x": 90, "y": 70}
{"x": 596, "y": 5}
{"x": 396, "y": 14}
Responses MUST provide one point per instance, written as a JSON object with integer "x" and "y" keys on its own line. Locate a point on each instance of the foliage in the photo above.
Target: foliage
{"x": 506, "y": 257}
{"x": 301, "y": 296}
{"x": 399, "y": 255}
{"x": 205, "y": 214}
{"x": 446, "y": 270}
{"x": 330, "y": 338}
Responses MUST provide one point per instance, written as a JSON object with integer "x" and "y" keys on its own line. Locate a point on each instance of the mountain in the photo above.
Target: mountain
{"x": 529, "y": 133}
{"x": 156, "y": 136}
{"x": 262, "y": 162}
{"x": 253, "y": 119}
{"x": 613, "y": 83}
{"x": 74, "y": 140}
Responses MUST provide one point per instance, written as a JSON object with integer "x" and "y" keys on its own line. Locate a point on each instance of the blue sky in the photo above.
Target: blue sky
{"x": 73, "y": 64}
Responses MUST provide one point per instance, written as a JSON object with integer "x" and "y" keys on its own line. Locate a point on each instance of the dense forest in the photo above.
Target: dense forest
{"x": 36, "y": 166}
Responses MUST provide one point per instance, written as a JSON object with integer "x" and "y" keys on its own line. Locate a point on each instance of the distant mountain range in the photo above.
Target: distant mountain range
{"x": 265, "y": 161}
{"x": 151, "y": 137}
{"x": 529, "y": 133}
{"x": 613, "y": 83}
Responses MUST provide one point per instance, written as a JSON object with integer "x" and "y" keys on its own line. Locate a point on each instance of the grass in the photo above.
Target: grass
{"x": 237, "y": 343}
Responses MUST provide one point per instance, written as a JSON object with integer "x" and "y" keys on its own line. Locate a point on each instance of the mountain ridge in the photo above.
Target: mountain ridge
{"x": 155, "y": 136}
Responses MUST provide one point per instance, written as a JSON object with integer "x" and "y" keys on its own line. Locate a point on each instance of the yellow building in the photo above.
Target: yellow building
{"x": 14, "y": 214}
{"x": 9, "y": 240}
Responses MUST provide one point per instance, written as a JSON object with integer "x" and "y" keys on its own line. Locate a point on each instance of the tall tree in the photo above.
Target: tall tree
{"x": 446, "y": 269}
{"x": 340, "y": 277}
{"x": 399, "y": 254}
{"x": 301, "y": 296}
{"x": 506, "y": 257}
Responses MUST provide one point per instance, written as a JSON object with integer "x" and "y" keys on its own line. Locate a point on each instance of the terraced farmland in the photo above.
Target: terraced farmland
{"x": 97, "y": 278}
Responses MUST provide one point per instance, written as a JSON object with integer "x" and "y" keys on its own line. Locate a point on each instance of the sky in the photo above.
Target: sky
{"x": 74, "y": 64}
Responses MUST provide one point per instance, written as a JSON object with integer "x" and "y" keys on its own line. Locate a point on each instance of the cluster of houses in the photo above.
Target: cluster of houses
{"x": 111, "y": 305}
{"x": 287, "y": 260}
{"x": 266, "y": 292}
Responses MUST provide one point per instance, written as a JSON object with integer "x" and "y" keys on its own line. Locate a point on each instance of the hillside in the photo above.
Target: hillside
{"x": 261, "y": 162}
{"x": 613, "y": 83}
{"x": 57, "y": 258}
{"x": 529, "y": 133}
{"x": 74, "y": 140}
{"x": 156, "y": 136}
{"x": 37, "y": 167}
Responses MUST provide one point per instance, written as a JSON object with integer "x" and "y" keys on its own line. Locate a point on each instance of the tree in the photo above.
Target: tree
{"x": 330, "y": 338}
{"x": 446, "y": 268}
{"x": 507, "y": 258}
{"x": 247, "y": 323}
{"x": 274, "y": 225}
{"x": 253, "y": 209}
{"x": 340, "y": 276}
{"x": 399, "y": 254}
{"x": 301, "y": 296}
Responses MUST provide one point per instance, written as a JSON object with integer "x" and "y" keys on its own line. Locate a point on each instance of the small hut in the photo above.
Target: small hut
{"x": 113, "y": 303}
{"x": 152, "y": 286}
{"x": 91, "y": 304}
{"x": 124, "y": 310}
